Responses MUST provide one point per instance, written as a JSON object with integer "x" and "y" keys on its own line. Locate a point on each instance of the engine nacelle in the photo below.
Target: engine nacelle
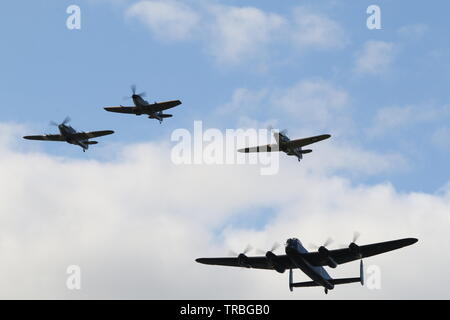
{"x": 354, "y": 249}
{"x": 325, "y": 254}
{"x": 274, "y": 262}
{"x": 243, "y": 261}
{"x": 306, "y": 151}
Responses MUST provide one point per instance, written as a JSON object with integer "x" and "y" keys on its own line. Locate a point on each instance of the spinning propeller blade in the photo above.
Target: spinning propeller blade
{"x": 65, "y": 121}
{"x": 246, "y": 250}
{"x": 133, "y": 91}
{"x": 325, "y": 244}
{"x": 274, "y": 247}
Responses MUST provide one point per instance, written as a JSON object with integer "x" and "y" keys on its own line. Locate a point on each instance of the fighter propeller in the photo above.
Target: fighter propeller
{"x": 133, "y": 91}
{"x": 65, "y": 121}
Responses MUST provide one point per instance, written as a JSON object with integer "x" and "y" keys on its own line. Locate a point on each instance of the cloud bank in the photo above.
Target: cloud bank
{"x": 234, "y": 35}
{"x": 135, "y": 224}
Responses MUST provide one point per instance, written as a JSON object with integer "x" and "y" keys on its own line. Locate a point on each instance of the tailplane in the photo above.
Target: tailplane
{"x": 334, "y": 282}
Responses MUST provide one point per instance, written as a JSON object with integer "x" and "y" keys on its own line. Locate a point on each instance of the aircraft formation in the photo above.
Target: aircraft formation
{"x": 296, "y": 256}
{"x": 70, "y": 135}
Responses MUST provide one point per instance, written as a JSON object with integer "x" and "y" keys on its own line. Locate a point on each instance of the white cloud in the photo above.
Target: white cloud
{"x": 309, "y": 103}
{"x": 168, "y": 20}
{"x": 441, "y": 138}
{"x": 313, "y": 101}
{"x": 413, "y": 31}
{"x": 397, "y": 117}
{"x": 133, "y": 223}
{"x": 375, "y": 57}
{"x": 244, "y": 99}
{"x": 315, "y": 30}
{"x": 238, "y": 34}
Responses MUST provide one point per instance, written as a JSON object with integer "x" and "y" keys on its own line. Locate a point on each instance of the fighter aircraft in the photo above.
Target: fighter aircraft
{"x": 311, "y": 263}
{"x": 290, "y": 147}
{"x": 153, "y": 110}
{"x": 70, "y": 135}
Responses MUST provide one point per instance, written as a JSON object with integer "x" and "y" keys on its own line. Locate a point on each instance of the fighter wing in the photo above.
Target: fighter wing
{"x": 160, "y": 106}
{"x": 260, "y": 262}
{"x": 305, "y": 141}
{"x": 47, "y": 137}
{"x": 121, "y": 109}
{"x": 266, "y": 148}
{"x": 90, "y": 135}
{"x": 346, "y": 255}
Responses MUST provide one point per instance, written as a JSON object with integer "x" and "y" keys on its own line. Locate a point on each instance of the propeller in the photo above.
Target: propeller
{"x": 246, "y": 250}
{"x": 325, "y": 244}
{"x": 354, "y": 248}
{"x": 270, "y": 128}
{"x": 356, "y": 236}
{"x": 133, "y": 91}
{"x": 65, "y": 121}
{"x": 274, "y": 247}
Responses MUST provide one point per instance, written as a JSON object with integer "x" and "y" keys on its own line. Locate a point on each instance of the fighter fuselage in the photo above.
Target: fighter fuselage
{"x": 140, "y": 104}
{"x": 68, "y": 133}
{"x": 282, "y": 144}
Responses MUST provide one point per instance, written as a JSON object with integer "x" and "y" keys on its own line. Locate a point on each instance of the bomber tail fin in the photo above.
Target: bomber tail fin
{"x": 290, "y": 280}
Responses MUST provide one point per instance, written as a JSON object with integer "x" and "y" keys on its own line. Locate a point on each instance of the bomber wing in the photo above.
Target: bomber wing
{"x": 260, "y": 262}
{"x": 346, "y": 255}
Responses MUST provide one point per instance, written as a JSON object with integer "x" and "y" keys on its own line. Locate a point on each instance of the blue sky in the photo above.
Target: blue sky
{"x": 49, "y": 72}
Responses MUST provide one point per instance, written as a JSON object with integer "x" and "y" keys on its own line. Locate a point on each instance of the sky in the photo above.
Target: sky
{"x": 135, "y": 222}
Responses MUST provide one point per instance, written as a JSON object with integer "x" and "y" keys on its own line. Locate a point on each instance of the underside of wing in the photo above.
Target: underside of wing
{"x": 345, "y": 255}
{"x": 160, "y": 106}
{"x": 266, "y": 148}
{"x": 90, "y": 135}
{"x": 306, "y": 141}
{"x": 260, "y": 262}
{"x": 121, "y": 109}
{"x": 47, "y": 137}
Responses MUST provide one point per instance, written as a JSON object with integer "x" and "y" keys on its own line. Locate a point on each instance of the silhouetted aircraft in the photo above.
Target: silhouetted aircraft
{"x": 284, "y": 144}
{"x": 153, "y": 110}
{"x": 311, "y": 263}
{"x": 70, "y": 135}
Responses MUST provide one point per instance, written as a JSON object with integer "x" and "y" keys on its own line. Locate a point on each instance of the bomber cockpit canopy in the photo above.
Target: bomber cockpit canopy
{"x": 292, "y": 242}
